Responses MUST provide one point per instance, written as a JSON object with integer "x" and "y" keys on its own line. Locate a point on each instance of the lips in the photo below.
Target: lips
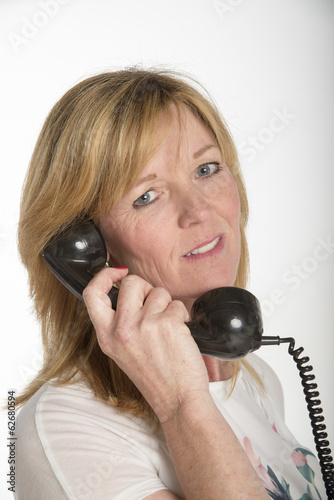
{"x": 204, "y": 247}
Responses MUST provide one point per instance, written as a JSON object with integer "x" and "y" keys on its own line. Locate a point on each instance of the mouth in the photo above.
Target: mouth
{"x": 207, "y": 247}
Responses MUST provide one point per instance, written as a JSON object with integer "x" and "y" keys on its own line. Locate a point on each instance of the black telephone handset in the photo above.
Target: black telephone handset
{"x": 226, "y": 322}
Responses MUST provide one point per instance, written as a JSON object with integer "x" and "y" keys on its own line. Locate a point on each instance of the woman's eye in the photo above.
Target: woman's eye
{"x": 145, "y": 199}
{"x": 208, "y": 169}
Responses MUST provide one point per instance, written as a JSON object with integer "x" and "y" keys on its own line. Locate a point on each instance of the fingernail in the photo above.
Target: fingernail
{"x": 121, "y": 267}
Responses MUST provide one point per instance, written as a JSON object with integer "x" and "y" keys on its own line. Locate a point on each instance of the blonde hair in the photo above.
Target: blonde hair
{"x": 92, "y": 147}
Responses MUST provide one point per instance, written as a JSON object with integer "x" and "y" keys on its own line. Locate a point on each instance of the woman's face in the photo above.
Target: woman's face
{"x": 178, "y": 227}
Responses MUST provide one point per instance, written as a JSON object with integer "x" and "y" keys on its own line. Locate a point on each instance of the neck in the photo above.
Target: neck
{"x": 218, "y": 370}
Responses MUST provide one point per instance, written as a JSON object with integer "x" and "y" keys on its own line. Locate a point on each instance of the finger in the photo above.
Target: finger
{"x": 96, "y": 298}
{"x": 178, "y": 310}
{"x": 157, "y": 300}
{"x": 132, "y": 294}
{"x": 103, "y": 281}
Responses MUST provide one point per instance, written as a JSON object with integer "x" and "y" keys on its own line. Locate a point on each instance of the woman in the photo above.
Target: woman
{"x": 125, "y": 405}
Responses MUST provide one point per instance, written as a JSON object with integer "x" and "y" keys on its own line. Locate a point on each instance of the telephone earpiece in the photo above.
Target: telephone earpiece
{"x": 76, "y": 255}
{"x": 226, "y": 322}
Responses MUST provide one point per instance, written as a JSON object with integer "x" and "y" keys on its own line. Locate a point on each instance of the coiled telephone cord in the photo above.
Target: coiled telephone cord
{"x": 315, "y": 411}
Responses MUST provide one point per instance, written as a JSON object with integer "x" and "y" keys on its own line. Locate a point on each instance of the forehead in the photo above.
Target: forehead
{"x": 181, "y": 134}
{"x": 184, "y": 128}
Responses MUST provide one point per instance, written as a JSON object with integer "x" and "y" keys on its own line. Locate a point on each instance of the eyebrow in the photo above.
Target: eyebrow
{"x": 196, "y": 155}
{"x": 203, "y": 150}
{"x": 149, "y": 177}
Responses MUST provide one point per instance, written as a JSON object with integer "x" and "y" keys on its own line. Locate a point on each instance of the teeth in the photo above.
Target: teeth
{"x": 206, "y": 248}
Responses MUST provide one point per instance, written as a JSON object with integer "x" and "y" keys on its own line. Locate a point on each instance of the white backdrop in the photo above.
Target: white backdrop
{"x": 268, "y": 65}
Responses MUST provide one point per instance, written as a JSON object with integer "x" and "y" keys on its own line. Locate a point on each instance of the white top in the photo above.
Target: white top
{"x": 73, "y": 446}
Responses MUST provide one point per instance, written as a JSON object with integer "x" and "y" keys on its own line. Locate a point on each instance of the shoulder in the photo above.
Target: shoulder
{"x": 63, "y": 409}
{"x": 81, "y": 445}
{"x": 34, "y": 472}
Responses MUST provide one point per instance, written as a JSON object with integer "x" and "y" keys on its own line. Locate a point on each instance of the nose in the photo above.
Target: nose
{"x": 193, "y": 207}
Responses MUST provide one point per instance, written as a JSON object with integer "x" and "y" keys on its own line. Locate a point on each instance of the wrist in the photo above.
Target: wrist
{"x": 193, "y": 409}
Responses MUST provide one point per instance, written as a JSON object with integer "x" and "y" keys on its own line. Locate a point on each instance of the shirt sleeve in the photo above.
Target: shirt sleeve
{"x": 91, "y": 451}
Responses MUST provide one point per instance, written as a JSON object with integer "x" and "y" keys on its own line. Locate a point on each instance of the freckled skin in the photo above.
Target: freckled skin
{"x": 186, "y": 210}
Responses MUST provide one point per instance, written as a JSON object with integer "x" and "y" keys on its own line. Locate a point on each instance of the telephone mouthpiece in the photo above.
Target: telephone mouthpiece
{"x": 227, "y": 323}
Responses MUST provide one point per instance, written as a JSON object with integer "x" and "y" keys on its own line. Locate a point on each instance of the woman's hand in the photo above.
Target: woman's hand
{"x": 148, "y": 339}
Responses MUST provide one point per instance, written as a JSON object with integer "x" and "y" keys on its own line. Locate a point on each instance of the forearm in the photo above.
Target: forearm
{"x": 208, "y": 458}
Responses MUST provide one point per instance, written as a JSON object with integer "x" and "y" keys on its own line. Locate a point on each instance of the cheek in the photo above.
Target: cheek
{"x": 115, "y": 234}
{"x": 131, "y": 246}
{"x": 120, "y": 247}
{"x": 234, "y": 196}
{"x": 233, "y": 215}
{"x": 228, "y": 201}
